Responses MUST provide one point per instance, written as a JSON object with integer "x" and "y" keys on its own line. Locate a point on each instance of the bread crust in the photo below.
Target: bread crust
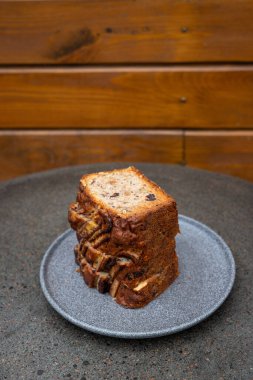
{"x": 119, "y": 252}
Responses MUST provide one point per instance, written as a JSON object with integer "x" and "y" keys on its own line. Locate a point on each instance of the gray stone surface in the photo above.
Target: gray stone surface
{"x": 36, "y": 343}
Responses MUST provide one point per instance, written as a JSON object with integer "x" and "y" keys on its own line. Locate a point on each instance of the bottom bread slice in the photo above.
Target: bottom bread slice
{"x": 148, "y": 289}
{"x": 130, "y": 284}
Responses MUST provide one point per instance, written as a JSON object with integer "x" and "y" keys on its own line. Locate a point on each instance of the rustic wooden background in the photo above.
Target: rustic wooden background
{"x": 120, "y": 80}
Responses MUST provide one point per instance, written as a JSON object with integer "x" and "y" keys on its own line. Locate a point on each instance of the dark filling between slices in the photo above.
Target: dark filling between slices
{"x": 98, "y": 269}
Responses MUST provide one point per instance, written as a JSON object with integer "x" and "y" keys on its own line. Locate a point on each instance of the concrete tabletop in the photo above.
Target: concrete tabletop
{"x": 37, "y": 343}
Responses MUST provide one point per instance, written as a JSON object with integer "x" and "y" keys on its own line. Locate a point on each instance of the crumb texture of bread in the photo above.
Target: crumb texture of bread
{"x": 126, "y": 227}
{"x": 125, "y": 191}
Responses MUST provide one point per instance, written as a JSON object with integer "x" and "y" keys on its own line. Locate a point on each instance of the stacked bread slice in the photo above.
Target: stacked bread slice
{"x": 126, "y": 227}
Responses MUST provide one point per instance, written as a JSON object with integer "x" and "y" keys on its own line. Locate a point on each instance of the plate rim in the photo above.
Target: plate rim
{"x": 148, "y": 334}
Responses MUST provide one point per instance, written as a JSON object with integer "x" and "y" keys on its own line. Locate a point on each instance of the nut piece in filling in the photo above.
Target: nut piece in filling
{"x": 126, "y": 227}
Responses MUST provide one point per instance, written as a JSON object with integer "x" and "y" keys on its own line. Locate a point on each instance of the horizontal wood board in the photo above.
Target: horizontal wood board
{"x": 144, "y": 97}
{"x": 125, "y": 31}
{"x": 24, "y": 152}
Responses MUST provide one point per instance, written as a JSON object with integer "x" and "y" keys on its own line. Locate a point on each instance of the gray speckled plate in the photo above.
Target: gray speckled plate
{"x": 207, "y": 273}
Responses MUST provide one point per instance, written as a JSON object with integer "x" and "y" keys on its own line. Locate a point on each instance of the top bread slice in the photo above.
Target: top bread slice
{"x": 125, "y": 192}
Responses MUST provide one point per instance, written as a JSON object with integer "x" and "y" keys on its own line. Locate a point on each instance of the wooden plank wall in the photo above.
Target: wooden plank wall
{"x": 153, "y": 81}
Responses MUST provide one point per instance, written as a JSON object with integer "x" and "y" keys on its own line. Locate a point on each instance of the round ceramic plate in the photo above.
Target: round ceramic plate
{"x": 207, "y": 273}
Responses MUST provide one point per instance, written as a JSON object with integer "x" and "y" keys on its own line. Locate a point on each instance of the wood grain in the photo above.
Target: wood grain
{"x": 77, "y": 32}
{"x": 23, "y": 152}
{"x": 143, "y": 97}
{"x": 228, "y": 152}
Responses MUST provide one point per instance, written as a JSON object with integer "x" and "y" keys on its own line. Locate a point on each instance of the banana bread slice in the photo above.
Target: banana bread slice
{"x": 126, "y": 227}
